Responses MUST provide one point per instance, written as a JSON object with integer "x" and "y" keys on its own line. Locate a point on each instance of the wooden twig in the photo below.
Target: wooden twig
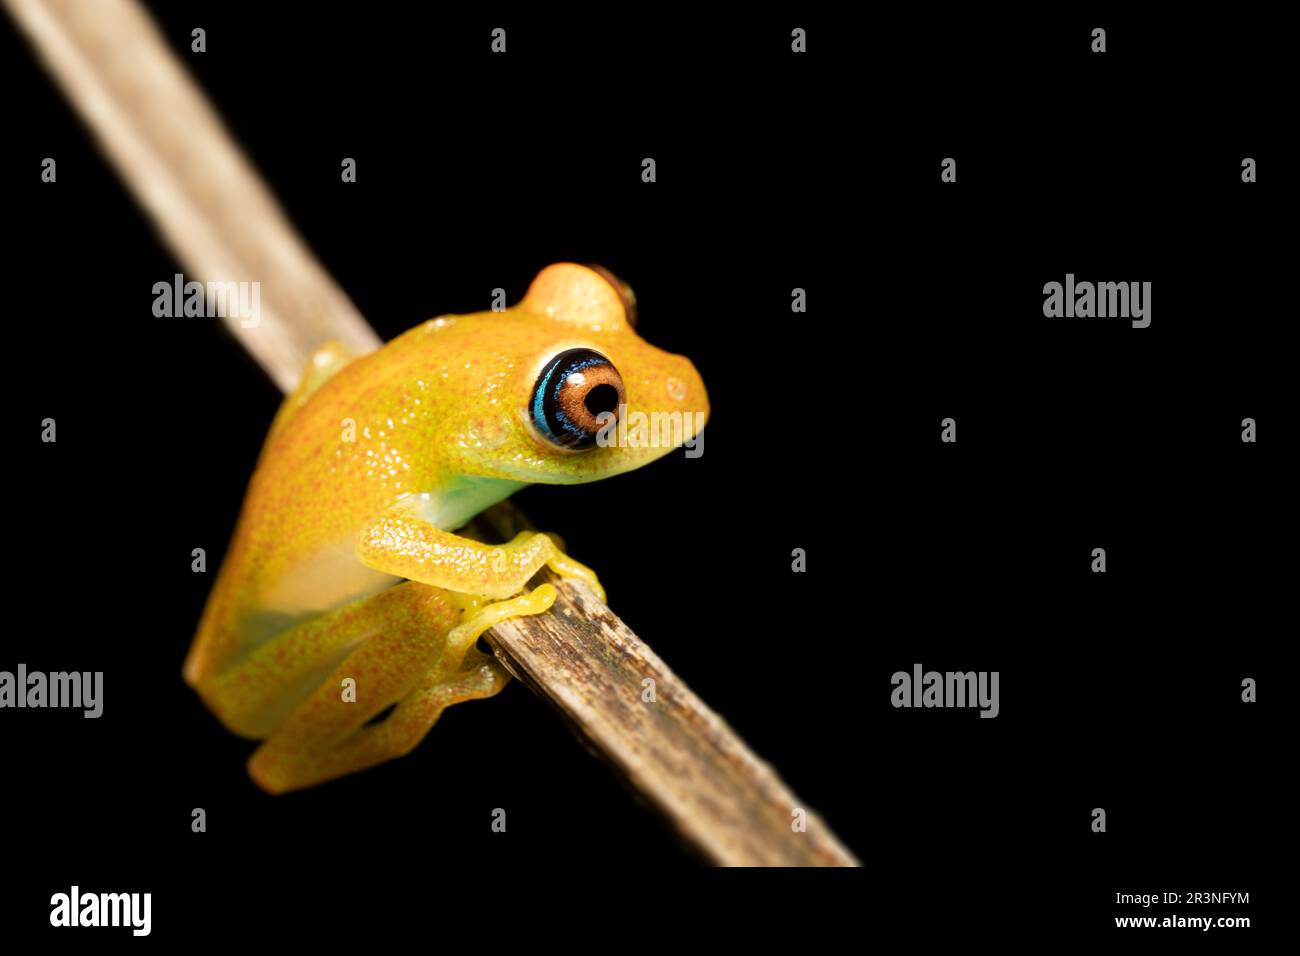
{"x": 220, "y": 220}
{"x": 643, "y": 719}
{"x": 204, "y": 197}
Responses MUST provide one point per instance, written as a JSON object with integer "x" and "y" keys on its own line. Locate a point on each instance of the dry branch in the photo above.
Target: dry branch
{"x": 222, "y": 223}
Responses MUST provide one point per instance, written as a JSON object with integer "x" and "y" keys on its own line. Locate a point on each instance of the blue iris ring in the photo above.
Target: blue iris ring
{"x": 548, "y": 405}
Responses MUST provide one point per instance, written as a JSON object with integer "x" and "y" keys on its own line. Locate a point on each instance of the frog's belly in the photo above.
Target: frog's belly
{"x": 331, "y": 576}
{"x": 321, "y": 581}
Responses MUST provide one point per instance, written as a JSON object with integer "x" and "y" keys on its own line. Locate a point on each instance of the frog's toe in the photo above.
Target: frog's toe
{"x": 567, "y": 567}
{"x": 462, "y": 637}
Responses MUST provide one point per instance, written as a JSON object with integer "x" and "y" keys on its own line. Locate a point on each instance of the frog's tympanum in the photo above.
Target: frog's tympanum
{"x": 346, "y": 591}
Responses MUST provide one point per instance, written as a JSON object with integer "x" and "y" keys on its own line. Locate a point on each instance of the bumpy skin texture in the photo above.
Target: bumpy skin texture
{"x": 367, "y": 470}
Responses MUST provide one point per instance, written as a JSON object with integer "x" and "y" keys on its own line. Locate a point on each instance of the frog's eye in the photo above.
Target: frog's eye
{"x": 572, "y": 391}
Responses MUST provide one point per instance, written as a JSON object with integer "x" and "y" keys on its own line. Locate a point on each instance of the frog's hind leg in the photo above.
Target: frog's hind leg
{"x": 255, "y": 696}
{"x": 281, "y": 765}
{"x": 330, "y": 733}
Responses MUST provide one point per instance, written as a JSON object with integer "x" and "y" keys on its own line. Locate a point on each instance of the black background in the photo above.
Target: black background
{"x": 925, "y": 301}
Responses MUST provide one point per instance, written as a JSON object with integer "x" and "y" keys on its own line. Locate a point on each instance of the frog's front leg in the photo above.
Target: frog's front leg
{"x": 412, "y": 656}
{"x": 401, "y": 542}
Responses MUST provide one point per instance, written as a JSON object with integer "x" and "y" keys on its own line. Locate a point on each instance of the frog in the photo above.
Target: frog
{"x": 347, "y": 611}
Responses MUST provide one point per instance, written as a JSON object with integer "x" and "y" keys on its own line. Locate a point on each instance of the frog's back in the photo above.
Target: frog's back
{"x": 343, "y": 447}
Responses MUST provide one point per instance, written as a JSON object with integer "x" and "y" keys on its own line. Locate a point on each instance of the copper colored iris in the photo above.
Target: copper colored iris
{"x": 585, "y": 394}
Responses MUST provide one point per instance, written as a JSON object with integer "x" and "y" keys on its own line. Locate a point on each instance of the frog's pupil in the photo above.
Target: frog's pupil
{"x": 602, "y": 398}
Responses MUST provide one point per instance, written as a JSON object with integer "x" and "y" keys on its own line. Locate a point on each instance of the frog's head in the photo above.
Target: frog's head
{"x": 577, "y": 395}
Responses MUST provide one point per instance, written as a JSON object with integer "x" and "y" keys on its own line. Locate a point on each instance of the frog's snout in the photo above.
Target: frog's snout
{"x": 681, "y": 392}
{"x": 686, "y": 387}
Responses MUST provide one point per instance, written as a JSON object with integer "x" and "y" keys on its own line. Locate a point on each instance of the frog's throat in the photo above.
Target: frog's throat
{"x": 462, "y": 498}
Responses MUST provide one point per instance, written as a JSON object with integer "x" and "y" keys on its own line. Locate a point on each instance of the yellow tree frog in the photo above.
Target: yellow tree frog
{"x": 346, "y": 590}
